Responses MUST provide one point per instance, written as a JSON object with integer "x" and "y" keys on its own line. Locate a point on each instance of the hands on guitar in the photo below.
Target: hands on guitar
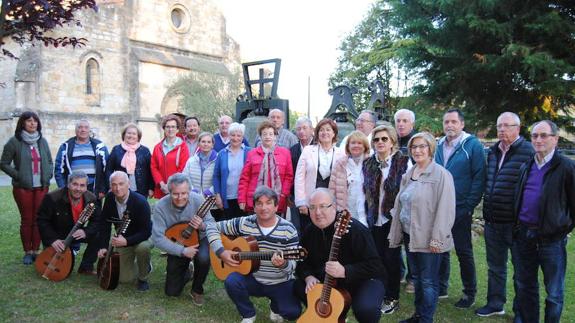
{"x": 278, "y": 260}
{"x": 230, "y": 258}
{"x": 191, "y": 251}
{"x": 310, "y": 282}
{"x": 79, "y": 234}
{"x": 119, "y": 241}
{"x": 197, "y": 223}
{"x": 58, "y": 245}
{"x": 335, "y": 269}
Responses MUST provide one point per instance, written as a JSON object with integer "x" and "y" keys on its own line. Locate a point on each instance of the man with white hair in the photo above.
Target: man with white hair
{"x": 504, "y": 160}
{"x": 133, "y": 245}
{"x": 404, "y": 124}
{"x": 222, "y": 136}
{"x": 285, "y": 137}
{"x": 83, "y": 153}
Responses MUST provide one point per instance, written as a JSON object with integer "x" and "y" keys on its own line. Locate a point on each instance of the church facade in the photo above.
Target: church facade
{"x": 135, "y": 50}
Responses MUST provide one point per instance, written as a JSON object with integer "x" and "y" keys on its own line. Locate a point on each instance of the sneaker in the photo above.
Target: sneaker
{"x": 249, "y": 319}
{"x": 487, "y": 311}
{"x": 388, "y": 307}
{"x": 409, "y": 287}
{"x": 197, "y": 298}
{"x": 28, "y": 259}
{"x": 143, "y": 285}
{"x": 275, "y": 317}
{"x": 443, "y": 296}
{"x": 465, "y": 302}
{"x": 413, "y": 319}
{"x": 163, "y": 254}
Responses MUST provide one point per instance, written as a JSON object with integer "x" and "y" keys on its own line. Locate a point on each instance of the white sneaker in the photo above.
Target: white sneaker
{"x": 275, "y": 317}
{"x": 389, "y": 307}
{"x": 249, "y": 319}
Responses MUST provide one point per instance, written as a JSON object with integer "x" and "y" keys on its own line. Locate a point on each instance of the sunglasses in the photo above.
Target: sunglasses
{"x": 383, "y": 139}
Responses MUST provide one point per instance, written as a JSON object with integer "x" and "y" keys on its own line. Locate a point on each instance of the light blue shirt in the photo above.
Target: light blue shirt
{"x": 235, "y": 166}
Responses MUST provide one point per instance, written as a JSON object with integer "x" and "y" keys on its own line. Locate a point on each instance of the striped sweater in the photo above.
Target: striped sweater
{"x": 283, "y": 236}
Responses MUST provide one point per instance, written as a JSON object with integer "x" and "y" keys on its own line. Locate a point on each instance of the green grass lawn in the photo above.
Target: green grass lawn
{"x": 26, "y": 297}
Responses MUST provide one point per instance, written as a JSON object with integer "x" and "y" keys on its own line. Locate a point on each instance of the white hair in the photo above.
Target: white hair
{"x": 276, "y": 110}
{"x": 237, "y": 127}
{"x": 301, "y": 120}
{"x": 119, "y": 173}
{"x": 82, "y": 121}
{"x": 409, "y": 113}
{"x": 225, "y": 116}
{"x": 512, "y": 115}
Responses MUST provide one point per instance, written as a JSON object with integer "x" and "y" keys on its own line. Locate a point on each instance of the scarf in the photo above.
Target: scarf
{"x": 205, "y": 160}
{"x": 32, "y": 140}
{"x": 269, "y": 174}
{"x": 129, "y": 158}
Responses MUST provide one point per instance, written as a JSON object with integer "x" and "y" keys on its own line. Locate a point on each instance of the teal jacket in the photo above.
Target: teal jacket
{"x": 16, "y": 161}
{"x": 467, "y": 166}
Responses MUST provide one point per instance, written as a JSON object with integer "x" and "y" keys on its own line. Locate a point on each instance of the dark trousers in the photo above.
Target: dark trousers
{"x": 366, "y": 299}
{"x": 177, "y": 273}
{"x": 498, "y": 243}
{"x": 91, "y": 252}
{"x": 464, "y": 250}
{"x": 233, "y": 210}
{"x": 28, "y": 201}
{"x": 299, "y": 221}
{"x": 391, "y": 260}
{"x": 530, "y": 254}
{"x": 282, "y": 300}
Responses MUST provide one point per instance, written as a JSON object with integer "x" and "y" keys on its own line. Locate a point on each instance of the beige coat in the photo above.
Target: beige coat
{"x": 432, "y": 211}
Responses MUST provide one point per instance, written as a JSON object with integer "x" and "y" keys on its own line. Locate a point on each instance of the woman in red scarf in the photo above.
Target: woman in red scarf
{"x": 134, "y": 159}
{"x": 26, "y": 158}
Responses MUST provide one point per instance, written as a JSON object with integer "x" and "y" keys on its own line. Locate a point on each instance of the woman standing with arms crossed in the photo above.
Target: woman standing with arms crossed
{"x": 26, "y": 158}
{"x": 423, "y": 215}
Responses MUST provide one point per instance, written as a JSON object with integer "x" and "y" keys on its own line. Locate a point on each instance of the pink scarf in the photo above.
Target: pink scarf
{"x": 129, "y": 159}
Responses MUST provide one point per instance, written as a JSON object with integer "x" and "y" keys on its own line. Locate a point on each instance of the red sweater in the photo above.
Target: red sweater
{"x": 250, "y": 172}
{"x": 163, "y": 166}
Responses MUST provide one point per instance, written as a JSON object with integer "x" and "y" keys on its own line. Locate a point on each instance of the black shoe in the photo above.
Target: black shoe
{"x": 465, "y": 302}
{"x": 412, "y": 319}
{"x": 143, "y": 285}
{"x": 87, "y": 271}
{"x": 28, "y": 259}
{"x": 487, "y": 311}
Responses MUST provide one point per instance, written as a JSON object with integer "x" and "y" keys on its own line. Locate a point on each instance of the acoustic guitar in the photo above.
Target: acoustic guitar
{"x": 183, "y": 233}
{"x": 249, "y": 256}
{"x": 109, "y": 266}
{"x": 325, "y": 302}
{"x": 57, "y": 266}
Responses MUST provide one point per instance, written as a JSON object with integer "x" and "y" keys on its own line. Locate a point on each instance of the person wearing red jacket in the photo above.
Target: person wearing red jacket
{"x": 268, "y": 165}
{"x": 169, "y": 157}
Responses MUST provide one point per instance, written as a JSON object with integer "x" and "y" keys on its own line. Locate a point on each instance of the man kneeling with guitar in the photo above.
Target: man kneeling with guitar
{"x": 182, "y": 205}
{"x": 352, "y": 268}
{"x": 133, "y": 246}
{"x": 274, "y": 279}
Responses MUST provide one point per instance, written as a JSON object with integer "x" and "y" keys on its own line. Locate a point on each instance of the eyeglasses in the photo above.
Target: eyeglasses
{"x": 505, "y": 126}
{"x": 383, "y": 139}
{"x": 541, "y": 135}
{"x": 415, "y": 147}
{"x": 171, "y": 127}
{"x": 360, "y": 120}
{"x": 319, "y": 207}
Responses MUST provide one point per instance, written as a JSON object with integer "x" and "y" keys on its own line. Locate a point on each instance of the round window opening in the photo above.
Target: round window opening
{"x": 180, "y": 18}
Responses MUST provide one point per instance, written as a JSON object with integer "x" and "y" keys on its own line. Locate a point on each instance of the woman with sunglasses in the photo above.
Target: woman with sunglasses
{"x": 382, "y": 174}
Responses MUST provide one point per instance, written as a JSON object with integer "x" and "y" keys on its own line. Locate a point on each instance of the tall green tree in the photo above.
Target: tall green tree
{"x": 490, "y": 56}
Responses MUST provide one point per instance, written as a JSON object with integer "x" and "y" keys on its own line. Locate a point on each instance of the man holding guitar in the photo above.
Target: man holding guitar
{"x": 58, "y": 213}
{"x": 274, "y": 279}
{"x": 182, "y": 205}
{"x": 133, "y": 246}
{"x": 357, "y": 270}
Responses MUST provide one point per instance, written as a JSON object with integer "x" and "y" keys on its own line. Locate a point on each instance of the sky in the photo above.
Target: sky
{"x": 305, "y": 35}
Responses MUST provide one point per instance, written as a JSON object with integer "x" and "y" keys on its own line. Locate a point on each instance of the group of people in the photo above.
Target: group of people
{"x": 403, "y": 189}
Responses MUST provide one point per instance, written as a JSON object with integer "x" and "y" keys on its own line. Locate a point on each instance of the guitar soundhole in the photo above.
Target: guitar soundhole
{"x": 323, "y": 309}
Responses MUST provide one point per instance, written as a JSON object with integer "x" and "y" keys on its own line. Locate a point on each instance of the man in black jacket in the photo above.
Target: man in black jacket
{"x": 545, "y": 214}
{"x": 358, "y": 269}
{"x": 59, "y": 212}
{"x": 504, "y": 160}
{"x": 132, "y": 245}
{"x": 304, "y": 132}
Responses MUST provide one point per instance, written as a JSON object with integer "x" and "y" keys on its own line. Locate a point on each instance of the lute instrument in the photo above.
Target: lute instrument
{"x": 326, "y": 302}
{"x": 183, "y": 233}
{"x": 249, "y": 256}
{"x": 109, "y": 266}
{"x": 57, "y": 266}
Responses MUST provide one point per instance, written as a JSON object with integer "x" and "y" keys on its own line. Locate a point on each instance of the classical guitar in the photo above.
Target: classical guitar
{"x": 183, "y": 233}
{"x": 249, "y": 256}
{"x": 57, "y": 266}
{"x": 109, "y": 266}
{"x": 325, "y": 302}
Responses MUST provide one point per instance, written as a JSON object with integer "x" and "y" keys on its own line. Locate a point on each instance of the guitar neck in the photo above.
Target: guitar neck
{"x": 202, "y": 211}
{"x": 69, "y": 238}
{"x": 255, "y": 255}
{"x": 329, "y": 281}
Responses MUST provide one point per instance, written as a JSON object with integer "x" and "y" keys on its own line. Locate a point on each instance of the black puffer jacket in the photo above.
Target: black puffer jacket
{"x": 500, "y": 185}
{"x": 557, "y": 201}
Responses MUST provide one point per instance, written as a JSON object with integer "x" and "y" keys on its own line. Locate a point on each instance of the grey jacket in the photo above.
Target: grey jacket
{"x": 16, "y": 161}
{"x": 165, "y": 214}
{"x": 432, "y": 211}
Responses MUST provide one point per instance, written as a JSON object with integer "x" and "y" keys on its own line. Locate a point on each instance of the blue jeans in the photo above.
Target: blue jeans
{"x": 283, "y": 300}
{"x": 461, "y": 231}
{"x": 530, "y": 253}
{"x": 498, "y": 243}
{"x": 425, "y": 273}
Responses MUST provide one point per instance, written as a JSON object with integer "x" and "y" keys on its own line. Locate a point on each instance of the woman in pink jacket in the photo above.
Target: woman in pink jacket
{"x": 268, "y": 165}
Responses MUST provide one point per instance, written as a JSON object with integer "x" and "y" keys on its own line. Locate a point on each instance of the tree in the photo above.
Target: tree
{"x": 489, "y": 56}
{"x": 207, "y": 96}
{"x": 31, "y": 20}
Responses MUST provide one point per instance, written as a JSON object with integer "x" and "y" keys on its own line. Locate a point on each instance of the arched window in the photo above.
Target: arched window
{"x": 92, "y": 77}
